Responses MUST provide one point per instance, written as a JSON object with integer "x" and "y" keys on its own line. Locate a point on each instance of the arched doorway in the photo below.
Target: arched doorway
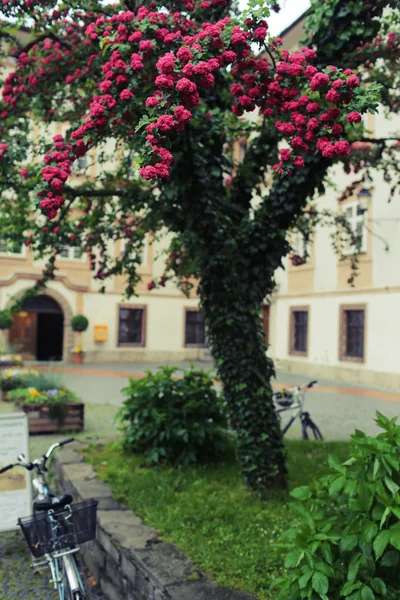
{"x": 38, "y": 329}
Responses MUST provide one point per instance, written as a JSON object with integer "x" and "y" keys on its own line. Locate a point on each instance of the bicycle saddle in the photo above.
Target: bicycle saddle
{"x": 53, "y": 503}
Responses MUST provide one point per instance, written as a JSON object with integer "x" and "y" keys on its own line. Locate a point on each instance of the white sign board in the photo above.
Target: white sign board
{"x": 15, "y": 484}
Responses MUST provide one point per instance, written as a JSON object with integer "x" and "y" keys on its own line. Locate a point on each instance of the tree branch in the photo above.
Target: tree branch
{"x": 86, "y": 193}
{"x": 41, "y": 38}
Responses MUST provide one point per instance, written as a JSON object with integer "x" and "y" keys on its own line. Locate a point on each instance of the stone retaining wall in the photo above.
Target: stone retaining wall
{"x": 128, "y": 560}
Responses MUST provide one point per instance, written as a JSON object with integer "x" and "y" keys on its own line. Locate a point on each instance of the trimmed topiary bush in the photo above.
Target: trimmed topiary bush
{"x": 79, "y": 323}
{"x": 178, "y": 421}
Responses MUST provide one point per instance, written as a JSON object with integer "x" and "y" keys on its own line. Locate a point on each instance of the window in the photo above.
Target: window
{"x": 82, "y": 163}
{"x": 355, "y": 217}
{"x": 352, "y": 333}
{"x": 71, "y": 253}
{"x": 144, "y": 254}
{"x": 195, "y": 331}
{"x": 301, "y": 246}
{"x": 298, "y": 342}
{"x": 242, "y": 150}
{"x": 131, "y": 326}
{"x": 11, "y": 250}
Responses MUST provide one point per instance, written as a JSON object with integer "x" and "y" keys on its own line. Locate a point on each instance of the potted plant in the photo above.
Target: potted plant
{"x": 79, "y": 324}
{"x": 78, "y": 355}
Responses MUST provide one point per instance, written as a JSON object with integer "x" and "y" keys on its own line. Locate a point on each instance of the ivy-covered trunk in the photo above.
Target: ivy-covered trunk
{"x": 236, "y": 335}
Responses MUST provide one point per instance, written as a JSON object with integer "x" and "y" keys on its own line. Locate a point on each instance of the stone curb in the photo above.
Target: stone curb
{"x": 127, "y": 558}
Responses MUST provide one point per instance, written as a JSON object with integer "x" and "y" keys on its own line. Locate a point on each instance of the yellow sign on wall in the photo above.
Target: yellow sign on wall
{"x": 100, "y": 333}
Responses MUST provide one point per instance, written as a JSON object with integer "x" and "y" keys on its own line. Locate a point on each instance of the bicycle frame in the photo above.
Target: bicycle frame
{"x": 297, "y": 405}
{"x": 298, "y": 395}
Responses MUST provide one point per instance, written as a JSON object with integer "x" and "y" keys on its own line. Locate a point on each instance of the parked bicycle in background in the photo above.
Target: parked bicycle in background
{"x": 56, "y": 528}
{"x": 293, "y": 400}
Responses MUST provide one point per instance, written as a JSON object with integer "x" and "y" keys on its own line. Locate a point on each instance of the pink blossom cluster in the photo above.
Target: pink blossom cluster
{"x": 3, "y": 149}
{"x": 179, "y": 61}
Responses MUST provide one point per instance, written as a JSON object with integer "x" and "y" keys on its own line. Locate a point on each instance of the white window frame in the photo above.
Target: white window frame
{"x": 20, "y": 254}
{"x": 144, "y": 254}
{"x": 354, "y": 220}
{"x": 71, "y": 254}
{"x": 300, "y": 245}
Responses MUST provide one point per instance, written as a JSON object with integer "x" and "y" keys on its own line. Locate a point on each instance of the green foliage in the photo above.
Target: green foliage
{"x": 10, "y": 379}
{"x": 79, "y": 323}
{"x": 6, "y": 319}
{"x": 42, "y": 381}
{"x": 51, "y": 396}
{"x": 222, "y": 526}
{"x": 344, "y": 541}
{"x": 178, "y": 421}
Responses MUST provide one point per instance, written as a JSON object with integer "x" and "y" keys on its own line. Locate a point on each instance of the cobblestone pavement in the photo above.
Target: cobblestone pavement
{"x": 337, "y": 407}
{"x": 17, "y": 579}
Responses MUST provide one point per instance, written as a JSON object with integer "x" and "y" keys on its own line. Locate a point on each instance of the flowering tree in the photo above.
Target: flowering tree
{"x": 167, "y": 89}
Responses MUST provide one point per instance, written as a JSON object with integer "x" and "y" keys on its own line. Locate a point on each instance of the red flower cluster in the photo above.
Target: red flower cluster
{"x": 294, "y": 95}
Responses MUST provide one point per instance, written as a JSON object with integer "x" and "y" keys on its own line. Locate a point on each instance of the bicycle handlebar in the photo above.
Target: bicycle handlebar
{"x": 4, "y": 469}
{"x": 22, "y": 462}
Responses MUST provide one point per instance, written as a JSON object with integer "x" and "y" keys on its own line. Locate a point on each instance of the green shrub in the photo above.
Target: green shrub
{"x": 6, "y": 319}
{"x": 79, "y": 323}
{"x": 42, "y": 381}
{"x": 345, "y": 539}
{"x": 179, "y": 421}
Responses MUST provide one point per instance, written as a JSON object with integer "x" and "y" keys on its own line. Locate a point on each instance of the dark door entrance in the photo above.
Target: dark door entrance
{"x": 37, "y": 331}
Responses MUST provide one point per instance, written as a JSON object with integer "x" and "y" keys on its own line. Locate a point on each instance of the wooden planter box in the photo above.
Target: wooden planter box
{"x": 10, "y": 365}
{"x": 40, "y": 420}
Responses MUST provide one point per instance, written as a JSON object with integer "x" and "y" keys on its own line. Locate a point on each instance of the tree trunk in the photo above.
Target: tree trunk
{"x": 238, "y": 347}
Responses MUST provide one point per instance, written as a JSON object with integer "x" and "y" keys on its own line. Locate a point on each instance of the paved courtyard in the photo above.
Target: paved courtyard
{"x": 338, "y": 408}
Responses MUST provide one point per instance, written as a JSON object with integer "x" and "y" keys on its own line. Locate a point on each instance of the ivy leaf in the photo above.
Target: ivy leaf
{"x": 304, "y": 579}
{"x": 368, "y": 532}
{"x": 380, "y": 543}
{"x": 377, "y": 465}
{"x": 293, "y": 559}
{"x": 320, "y": 583}
{"x": 393, "y": 487}
{"x": 395, "y": 538}
{"x": 348, "y": 543}
{"x": 354, "y": 566}
{"x": 390, "y": 559}
{"x": 350, "y": 587}
{"x": 301, "y": 493}
{"x": 335, "y": 464}
{"x": 379, "y": 586}
{"x": 337, "y": 485}
{"x": 367, "y": 593}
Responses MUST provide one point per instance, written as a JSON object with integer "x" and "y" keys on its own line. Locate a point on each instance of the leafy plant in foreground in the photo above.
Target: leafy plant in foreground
{"x": 345, "y": 538}
{"x": 179, "y": 421}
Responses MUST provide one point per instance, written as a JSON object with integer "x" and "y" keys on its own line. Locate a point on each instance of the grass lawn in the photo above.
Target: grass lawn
{"x": 227, "y": 531}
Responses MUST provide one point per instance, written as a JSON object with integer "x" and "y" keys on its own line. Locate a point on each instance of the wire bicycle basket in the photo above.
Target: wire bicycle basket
{"x": 61, "y": 529}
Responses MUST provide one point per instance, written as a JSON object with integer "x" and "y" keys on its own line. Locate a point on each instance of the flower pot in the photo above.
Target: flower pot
{"x": 77, "y": 357}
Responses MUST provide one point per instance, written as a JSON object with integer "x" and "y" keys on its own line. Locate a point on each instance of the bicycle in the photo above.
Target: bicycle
{"x": 293, "y": 399}
{"x": 56, "y": 528}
